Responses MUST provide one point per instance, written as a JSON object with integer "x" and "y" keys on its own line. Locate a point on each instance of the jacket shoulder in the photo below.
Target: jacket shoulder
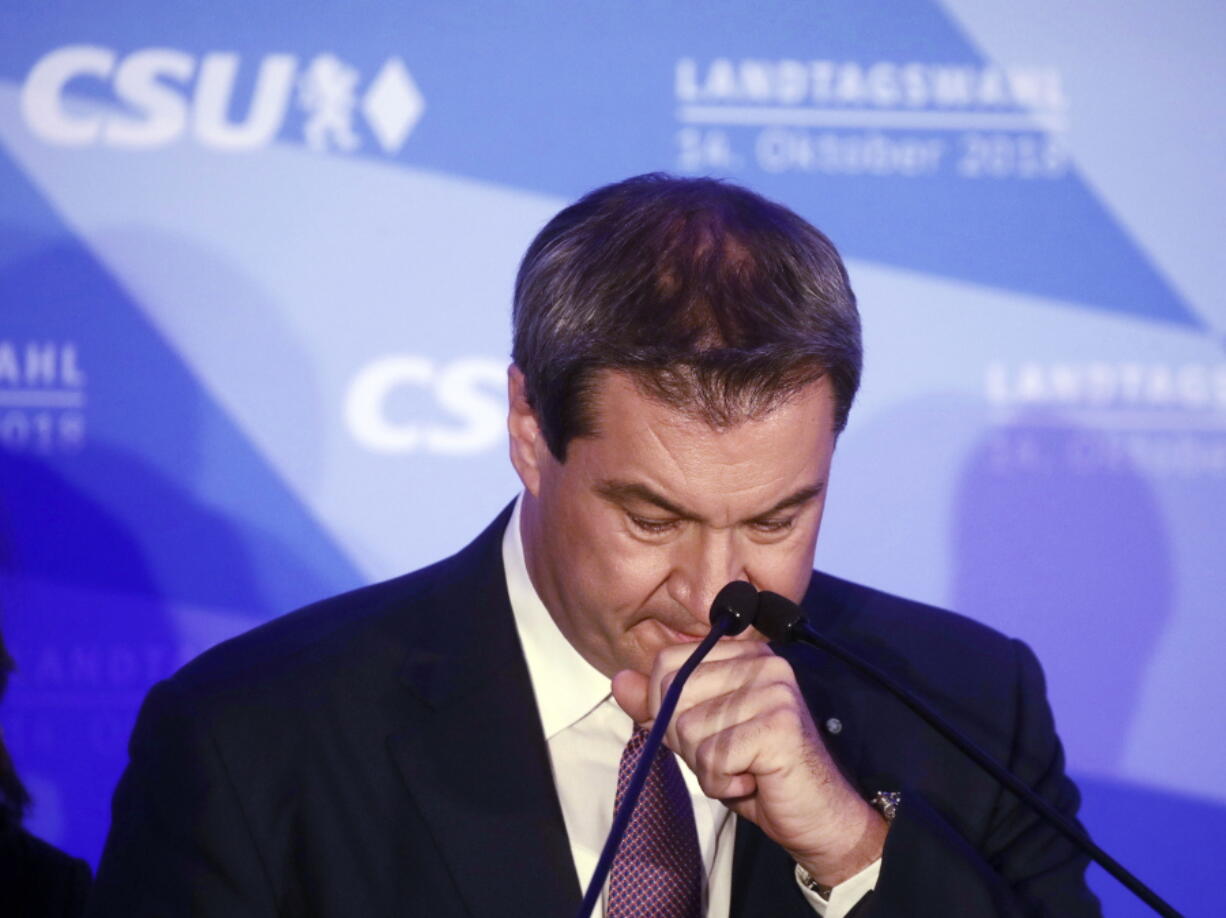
{"x": 909, "y": 636}
{"x": 365, "y": 631}
{"x": 310, "y": 635}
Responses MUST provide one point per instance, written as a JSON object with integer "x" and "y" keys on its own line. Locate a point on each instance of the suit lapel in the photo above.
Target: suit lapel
{"x": 863, "y": 744}
{"x": 473, "y": 755}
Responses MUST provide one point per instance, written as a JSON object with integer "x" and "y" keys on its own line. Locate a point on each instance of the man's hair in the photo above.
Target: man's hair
{"x": 717, "y": 302}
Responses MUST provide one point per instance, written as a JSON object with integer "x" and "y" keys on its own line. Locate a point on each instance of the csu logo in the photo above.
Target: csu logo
{"x": 164, "y": 95}
{"x": 468, "y": 395}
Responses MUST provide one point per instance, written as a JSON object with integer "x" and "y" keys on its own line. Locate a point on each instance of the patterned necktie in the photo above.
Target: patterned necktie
{"x": 657, "y": 872}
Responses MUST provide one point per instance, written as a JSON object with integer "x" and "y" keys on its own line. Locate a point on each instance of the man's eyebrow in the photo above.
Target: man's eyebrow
{"x": 803, "y": 496}
{"x": 622, "y": 492}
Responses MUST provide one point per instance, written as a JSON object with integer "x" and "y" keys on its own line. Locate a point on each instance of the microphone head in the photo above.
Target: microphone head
{"x": 777, "y": 617}
{"x": 738, "y": 603}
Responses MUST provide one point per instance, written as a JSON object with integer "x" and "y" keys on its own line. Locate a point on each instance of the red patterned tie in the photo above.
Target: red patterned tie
{"x": 657, "y": 872}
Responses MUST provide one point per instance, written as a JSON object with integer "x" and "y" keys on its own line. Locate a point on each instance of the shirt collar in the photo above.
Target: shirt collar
{"x": 566, "y": 686}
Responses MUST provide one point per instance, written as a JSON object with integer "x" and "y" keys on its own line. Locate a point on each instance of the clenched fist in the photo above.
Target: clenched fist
{"x": 743, "y": 728}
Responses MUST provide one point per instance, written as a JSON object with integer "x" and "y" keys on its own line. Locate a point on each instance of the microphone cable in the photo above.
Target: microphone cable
{"x": 781, "y": 620}
{"x": 731, "y": 613}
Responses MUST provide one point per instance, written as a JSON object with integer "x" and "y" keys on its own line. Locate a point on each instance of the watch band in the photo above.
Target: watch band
{"x": 807, "y": 881}
{"x": 884, "y": 802}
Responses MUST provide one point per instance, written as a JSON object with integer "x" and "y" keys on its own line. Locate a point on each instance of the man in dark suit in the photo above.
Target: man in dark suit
{"x": 447, "y": 743}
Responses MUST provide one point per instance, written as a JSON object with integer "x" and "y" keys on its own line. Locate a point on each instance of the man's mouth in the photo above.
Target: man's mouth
{"x": 681, "y": 637}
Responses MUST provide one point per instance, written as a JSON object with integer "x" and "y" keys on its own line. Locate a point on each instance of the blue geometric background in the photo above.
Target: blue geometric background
{"x": 233, "y": 381}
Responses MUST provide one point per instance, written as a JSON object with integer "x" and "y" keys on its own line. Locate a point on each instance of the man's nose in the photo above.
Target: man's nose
{"x": 704, "y": 565}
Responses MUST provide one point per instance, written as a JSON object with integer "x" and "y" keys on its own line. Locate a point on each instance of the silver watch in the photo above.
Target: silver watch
{"x": 884, "y": 802}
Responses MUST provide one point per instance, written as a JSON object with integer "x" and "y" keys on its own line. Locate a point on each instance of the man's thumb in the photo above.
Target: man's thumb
{"x": 630, "y": 692}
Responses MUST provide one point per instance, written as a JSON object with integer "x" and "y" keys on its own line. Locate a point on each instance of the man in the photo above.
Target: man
{"x": 452, "y": 742}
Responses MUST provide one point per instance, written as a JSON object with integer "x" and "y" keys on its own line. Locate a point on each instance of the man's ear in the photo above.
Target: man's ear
{"x": 529, "y": 451}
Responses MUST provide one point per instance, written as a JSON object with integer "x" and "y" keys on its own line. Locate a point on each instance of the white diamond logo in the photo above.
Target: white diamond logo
{"x": 393, "y": 105}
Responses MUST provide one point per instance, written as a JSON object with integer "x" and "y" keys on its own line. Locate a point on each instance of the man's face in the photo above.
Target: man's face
{"x": 629, "y": 540}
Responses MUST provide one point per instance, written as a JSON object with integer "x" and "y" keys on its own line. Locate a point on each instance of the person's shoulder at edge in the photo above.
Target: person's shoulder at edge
{"x": 40, "y": 879}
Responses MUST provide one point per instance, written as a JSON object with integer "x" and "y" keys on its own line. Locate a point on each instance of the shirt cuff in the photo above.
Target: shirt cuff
{"x": 843, "y": 898}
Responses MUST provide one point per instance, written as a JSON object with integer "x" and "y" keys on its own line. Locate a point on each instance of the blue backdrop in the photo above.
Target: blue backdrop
{"x": 255, "y": 272}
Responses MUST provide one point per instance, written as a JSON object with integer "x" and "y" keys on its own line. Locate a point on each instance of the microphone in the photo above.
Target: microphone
{"x": 732, "y": 611}
{"x": 779, "y": 618}
{"x": 782, "y": 621}
{"x": 738, "y": 604}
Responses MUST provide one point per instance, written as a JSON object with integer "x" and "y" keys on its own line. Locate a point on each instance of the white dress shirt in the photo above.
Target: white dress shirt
{"x": 586, "y": 731}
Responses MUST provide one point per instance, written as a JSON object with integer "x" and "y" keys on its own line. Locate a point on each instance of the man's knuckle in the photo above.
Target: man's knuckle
{"x": 779, "y": 695}
{"x": 777, "y": 668}
{"x": 686, "y": 725}
{"x": 706, "y": 756}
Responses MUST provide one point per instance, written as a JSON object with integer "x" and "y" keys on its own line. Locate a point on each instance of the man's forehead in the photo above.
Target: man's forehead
{"x": 620, "y": 397}
{"x": 644, "y": 451}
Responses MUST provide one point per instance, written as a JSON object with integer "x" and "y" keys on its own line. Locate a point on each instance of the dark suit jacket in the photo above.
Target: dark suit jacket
{"x": 380, "y": 753}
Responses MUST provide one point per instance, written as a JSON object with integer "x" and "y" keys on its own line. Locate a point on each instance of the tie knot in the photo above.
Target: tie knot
{"x": 637, "y": 739}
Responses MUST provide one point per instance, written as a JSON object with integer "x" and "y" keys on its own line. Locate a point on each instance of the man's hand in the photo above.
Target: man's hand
{"x": 742, "y": 726}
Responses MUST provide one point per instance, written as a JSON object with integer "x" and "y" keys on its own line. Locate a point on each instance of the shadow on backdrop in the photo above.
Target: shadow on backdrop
{"x": 1171, "y": 841}
{"x": 1059, "y": 538}
{"x": 116, "y": 560}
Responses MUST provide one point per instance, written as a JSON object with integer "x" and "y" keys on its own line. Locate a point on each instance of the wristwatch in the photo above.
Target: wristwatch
{"x": 884, "y": 802}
